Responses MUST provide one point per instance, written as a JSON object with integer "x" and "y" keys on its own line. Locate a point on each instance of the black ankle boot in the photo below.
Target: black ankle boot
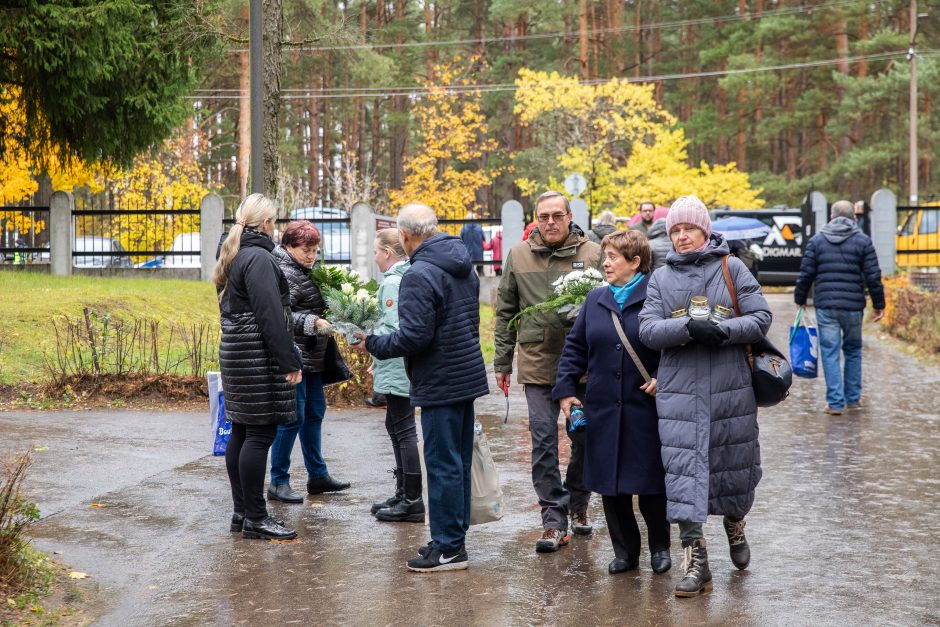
{"x": 326, "y": 483}
{"x": 410, "y": 508}
{"x": 267, "y": 529}
{"x": 737, "y": 543}
{"x": 697, "y": 578}
{"x": 399, "y": 492}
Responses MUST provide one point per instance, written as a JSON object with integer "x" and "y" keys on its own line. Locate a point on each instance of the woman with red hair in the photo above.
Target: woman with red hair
{"x": 296, "y": 254}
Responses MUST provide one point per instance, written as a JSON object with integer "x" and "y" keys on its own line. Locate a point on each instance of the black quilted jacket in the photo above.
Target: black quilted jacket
{"x": 257, "y": 344}
{"x": 305, "y": 300}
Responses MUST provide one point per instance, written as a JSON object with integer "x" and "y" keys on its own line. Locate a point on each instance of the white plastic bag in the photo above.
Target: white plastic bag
{"x": 486, "y": 497}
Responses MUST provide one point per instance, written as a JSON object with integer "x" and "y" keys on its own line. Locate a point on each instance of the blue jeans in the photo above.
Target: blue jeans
{"x": 840, "y": 331}
{"x": 311, "y": 407}
{"x": 448, "y": 451}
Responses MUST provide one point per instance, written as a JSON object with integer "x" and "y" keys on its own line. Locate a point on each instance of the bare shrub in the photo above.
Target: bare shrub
{"x": 17, "y": 568}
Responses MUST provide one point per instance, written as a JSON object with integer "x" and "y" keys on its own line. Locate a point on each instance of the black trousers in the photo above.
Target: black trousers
{"x": 400, "y": 424}
{"x": 625, "y": 533}
{"x": 246, "y": 460}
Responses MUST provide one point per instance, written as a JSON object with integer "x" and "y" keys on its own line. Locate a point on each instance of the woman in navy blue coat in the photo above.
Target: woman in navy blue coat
{"x": 622, "y": 448}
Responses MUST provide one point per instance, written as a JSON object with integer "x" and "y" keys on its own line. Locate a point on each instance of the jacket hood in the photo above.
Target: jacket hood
{"x": 254, "y": 238}
{"x": 657, "y": 230}
{"x": 575, "y": 236}
{"x": 446, "y": 252}
{"x": 717, "y": 248}
{"x": 840, "y": 230}
{"x": 603, "y": 230}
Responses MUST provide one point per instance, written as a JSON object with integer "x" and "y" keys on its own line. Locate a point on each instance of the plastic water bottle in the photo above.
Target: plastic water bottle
{"x": 578, "y": 420}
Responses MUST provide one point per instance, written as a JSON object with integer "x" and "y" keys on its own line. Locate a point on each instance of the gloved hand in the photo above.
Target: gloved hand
{"x": 707, "y": 333}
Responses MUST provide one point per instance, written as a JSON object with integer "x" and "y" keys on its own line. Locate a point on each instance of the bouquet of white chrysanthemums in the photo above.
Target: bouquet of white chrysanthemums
{"x": 352, "y": 310}
{"x": 351, "y": 304}
{"x": 568, "y": 295}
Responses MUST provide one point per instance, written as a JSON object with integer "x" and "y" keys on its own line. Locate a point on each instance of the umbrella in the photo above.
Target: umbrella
{"x": 660, "y": 212}
{"x": 735, "y": 227}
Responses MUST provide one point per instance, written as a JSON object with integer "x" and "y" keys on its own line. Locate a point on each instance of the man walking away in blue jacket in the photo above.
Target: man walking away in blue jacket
{"x": 472, "y": 236}
{"x": 841, "y": 260}
{"x": 439, "y": 337}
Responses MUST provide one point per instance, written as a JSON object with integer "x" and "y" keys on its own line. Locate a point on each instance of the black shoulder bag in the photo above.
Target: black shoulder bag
{"x": 771, "y": 375}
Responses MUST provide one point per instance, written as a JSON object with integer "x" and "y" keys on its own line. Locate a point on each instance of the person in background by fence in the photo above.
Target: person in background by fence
{"x": 472, "y": 236}
{"x": 295, "y": 256}
{"x": 841, "y": 261}
{"x": 260, "y": 366}
{"x": 391, "y": 380}
{"x": 605, "y": 224}
{"x": 660, "y": 244}
{"x": 647, "y": 213}
{"x": 496, "y": 245}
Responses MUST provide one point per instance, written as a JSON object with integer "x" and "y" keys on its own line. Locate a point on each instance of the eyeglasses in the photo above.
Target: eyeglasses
{"x": 553, "y": 217}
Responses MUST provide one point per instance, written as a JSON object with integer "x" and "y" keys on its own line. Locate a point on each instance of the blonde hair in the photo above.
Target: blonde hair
{"x": 253, "y": 210}
{"x": 606, "y": 219}
{"x": 390, "y": 240}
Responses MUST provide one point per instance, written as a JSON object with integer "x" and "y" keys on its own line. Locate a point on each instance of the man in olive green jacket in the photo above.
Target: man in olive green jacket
{"x": 554, "y": 249}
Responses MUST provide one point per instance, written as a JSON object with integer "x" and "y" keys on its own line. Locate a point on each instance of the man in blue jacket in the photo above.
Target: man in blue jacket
{"x": 439, "y": 337}
{"x": 841, "y": 260}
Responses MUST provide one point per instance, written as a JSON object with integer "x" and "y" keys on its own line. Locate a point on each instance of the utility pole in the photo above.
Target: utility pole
{"x": 912, "y": 56}
{"x": 257, "y": 107}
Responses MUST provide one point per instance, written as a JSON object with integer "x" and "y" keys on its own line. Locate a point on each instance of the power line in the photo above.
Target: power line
{"x": 384, "y": 92}
{"x": 609, "y": 30}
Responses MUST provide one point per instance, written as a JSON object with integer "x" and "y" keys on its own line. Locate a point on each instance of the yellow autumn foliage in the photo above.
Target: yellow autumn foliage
{"x": 162, "y": 179}
{"x": 443, "y": 171}
{"x": 624, "y": 143}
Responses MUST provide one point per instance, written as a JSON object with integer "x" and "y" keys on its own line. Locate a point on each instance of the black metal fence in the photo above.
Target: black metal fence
{"x": 143, "y": 238}
{"x": 335, "y": 233}
{"x": 24, "y": 234}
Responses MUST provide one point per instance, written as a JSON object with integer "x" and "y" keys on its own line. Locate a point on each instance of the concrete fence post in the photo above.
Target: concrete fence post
{"x": 513, "y": 218}
{"x": 60, "y": 233}
{"x": 884, "y": 229}
{"x": 361, "y": 235}
{"x": 580, "y": 214}
{"x": 820, "y": 210}
{"x": 211, "y": 210}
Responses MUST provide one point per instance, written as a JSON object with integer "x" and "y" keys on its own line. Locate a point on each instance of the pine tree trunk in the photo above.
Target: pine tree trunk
{"x": 244, "y": 114}
{"x": 583, "y": 39}
{"x": 273, "y": 29}
{"x": 637, "y": 39}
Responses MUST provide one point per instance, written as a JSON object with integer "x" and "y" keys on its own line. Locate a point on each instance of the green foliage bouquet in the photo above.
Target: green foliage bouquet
{"x": 568, "y": 295}
{"x": 352, "y": 310}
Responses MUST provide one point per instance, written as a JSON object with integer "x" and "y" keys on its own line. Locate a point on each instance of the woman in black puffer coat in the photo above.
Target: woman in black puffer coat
{"x": 259, "y": 363}
{"x": 295, "y": 256}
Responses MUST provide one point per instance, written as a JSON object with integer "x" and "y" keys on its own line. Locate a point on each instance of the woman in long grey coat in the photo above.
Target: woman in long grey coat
{"x": 706, "y": 405}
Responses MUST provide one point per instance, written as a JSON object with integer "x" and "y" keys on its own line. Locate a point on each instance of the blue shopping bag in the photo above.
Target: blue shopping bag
{"x": 221, "y": 427}
{"x": 804, "y": 347}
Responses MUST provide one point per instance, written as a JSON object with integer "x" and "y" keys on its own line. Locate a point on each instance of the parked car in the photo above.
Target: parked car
{"x": 110, "y": 253}
{"x": 335, "y": 238}
{"x": 185, "y": 242}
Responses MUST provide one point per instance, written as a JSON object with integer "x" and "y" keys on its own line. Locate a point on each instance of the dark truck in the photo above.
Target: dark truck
{"x": 783, "y": 246}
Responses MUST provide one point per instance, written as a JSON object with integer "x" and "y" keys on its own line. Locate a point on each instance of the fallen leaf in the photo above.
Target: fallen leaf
{"x": 98, "y": 505}
{"x": 41, "y": 449}
{"x": 77, "y": 575}
{"x": 316, "y": 505}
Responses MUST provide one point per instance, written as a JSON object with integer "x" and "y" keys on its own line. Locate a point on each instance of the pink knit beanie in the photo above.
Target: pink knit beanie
{"x": 689, "y": 210}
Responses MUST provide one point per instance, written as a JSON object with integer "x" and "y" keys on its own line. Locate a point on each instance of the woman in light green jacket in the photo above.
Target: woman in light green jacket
{"x": 391, "y": 380}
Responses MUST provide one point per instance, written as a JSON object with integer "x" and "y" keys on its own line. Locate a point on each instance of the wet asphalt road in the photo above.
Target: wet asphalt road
{"x": 844, "y": 529}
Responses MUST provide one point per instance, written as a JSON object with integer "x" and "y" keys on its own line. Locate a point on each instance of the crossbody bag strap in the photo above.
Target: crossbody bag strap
{"x": 734, "y": 301}
{"x": 629, "y": 347}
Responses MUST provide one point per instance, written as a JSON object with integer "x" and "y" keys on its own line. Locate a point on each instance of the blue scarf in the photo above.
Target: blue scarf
{"x": 621, "y": 294}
